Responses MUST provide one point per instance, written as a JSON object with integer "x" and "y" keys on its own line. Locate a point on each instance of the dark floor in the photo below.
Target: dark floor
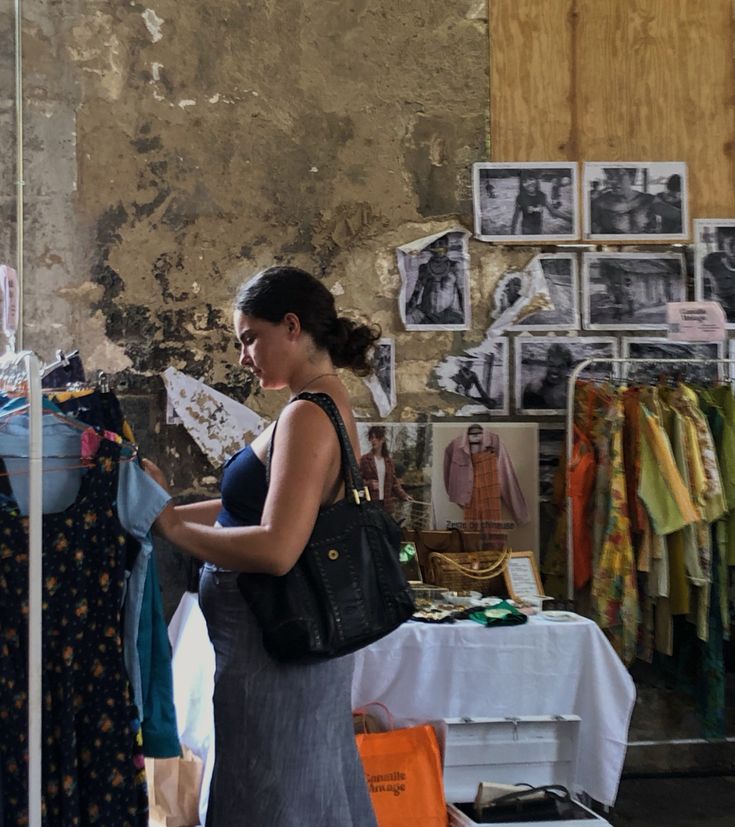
{"x": 675, "y": 802}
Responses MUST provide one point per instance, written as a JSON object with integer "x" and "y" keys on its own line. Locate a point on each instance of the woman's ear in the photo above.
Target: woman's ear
{"x": 293, "y": 324}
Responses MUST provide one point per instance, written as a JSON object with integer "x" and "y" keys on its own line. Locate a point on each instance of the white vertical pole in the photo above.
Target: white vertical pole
{"x": 35, "y": 593}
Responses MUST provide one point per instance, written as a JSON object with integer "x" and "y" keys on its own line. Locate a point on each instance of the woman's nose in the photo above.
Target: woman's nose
{"x": 245, "y": 360}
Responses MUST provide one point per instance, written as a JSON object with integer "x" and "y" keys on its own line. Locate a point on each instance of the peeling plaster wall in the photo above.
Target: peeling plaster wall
{"x": 174, "y": 149}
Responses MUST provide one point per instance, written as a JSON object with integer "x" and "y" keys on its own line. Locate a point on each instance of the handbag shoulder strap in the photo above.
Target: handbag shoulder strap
{"x": 350, "y": 471}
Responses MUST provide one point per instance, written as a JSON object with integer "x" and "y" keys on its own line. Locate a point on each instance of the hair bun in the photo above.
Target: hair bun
{"x": 350, "y": 344}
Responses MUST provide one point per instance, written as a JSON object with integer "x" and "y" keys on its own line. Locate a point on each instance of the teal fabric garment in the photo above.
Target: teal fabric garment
{"x": 160, "y": 733}
{"x": 140, "y": 501}
{"x": 711, "y": 685}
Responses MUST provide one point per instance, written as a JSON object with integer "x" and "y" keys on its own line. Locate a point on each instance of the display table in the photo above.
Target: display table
{"x": 433, "y": 671}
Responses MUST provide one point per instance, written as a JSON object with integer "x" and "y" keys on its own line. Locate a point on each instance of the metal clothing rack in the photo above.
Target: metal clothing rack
{"x": 25, "y": 367}
{"x": 571, "y": 383}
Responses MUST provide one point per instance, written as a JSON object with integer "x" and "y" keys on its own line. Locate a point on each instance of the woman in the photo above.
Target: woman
{"x": 379, "y": 472}
{"x": 284, "y": 747}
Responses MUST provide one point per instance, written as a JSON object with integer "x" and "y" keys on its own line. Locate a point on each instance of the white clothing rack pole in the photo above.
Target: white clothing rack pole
{"x": 35, "y": 593}
{"x": 571, "y": 383}
{"x": 32, "y": 378}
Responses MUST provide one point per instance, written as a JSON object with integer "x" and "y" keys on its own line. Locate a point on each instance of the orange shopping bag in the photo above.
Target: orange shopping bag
{"x": 404, "y": 775}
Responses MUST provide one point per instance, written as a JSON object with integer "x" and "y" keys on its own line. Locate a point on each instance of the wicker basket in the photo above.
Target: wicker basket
{"x": 468, "y": 570}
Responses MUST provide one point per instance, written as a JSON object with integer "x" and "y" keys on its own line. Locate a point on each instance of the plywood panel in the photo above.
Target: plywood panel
{"x": 618, "y": 80}
{"x": 531, "y": 80}
{"x": 656, "y": 82}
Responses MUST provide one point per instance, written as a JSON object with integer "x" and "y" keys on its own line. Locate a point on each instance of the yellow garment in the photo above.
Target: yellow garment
{"x": 705, "y": 469}
{"x": 65, "y": 396}
{"x": 614, "y": 587}
{"x": 678, "y": 584}
{"x": 675, "y": 542}
{"x": 127, "y": 431}
{"x": 661, "y": 487}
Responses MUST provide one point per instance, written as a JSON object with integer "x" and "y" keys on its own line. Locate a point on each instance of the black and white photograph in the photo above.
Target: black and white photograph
{"x": 485, "y": 478}
{"x": 714, "y": 263}
{"x": 630, "y": 291}
{"x": 658, "y": 349}
{"x": 395, "y": 463}
{"x": 562, "y": 284}
{"x": 550, "y": 446}
{"x": 517, "y": 294}
{"x": 435, "y": 288}
{"x": 543, "y": 365}
{"x": 525, "y": 201}
{"x": 382, "y": 382}
{"x": 480, "y": 375}
{"x": 637, "y": 200}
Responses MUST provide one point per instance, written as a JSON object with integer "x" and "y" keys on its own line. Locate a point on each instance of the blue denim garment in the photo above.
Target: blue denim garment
{"x": 60, "y": 449}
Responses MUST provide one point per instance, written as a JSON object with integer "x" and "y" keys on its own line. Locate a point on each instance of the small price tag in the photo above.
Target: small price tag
{"x": 696, "y": 322}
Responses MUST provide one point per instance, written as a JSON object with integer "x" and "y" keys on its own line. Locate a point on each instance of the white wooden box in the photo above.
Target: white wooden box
{"x": 529, "y": 750}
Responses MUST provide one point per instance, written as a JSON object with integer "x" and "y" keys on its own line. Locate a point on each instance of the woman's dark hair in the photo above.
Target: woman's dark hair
{"x": 379, "y": 432}
{"x": 276, "y": 291}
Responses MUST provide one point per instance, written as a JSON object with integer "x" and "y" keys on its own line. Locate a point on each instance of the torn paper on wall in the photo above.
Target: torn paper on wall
{"x": 480, "y": 375}
{"x": 220, "y": 426}
{"x": 435, "y": 287}
{"x": 519, "y": 294}
{"x": 382, "y": 382}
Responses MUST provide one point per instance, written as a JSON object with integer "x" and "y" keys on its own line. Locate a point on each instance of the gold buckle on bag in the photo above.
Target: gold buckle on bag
{"x": 360, "y": 495}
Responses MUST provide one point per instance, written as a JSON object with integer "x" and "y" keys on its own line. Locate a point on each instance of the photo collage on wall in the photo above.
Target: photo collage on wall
{"x": 565, "y": 302}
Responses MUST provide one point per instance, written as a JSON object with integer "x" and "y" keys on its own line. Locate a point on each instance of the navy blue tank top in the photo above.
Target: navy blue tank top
{"x": 243, "y": 489}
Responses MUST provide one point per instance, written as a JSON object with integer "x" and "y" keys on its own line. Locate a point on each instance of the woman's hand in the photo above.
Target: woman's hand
{"x": 155, "y": 473}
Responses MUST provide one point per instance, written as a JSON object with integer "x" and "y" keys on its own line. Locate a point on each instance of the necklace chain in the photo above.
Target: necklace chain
{"x": 311, "y": 381}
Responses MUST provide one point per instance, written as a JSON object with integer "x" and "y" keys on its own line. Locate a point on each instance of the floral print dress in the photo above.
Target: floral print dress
{"x": 614, "y": 587}
{"x": 92, "y": 766}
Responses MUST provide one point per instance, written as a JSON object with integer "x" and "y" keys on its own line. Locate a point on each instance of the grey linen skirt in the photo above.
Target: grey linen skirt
{"x": 285, "y": 752}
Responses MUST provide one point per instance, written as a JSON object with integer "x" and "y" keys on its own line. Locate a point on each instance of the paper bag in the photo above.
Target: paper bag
{"x": 173, "y": 790}
{"x": 404, "y": 774}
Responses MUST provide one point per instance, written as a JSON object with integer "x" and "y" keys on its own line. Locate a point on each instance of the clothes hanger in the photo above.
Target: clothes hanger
{"x": 51, "y": 409}
{"x": 70, "y": 467}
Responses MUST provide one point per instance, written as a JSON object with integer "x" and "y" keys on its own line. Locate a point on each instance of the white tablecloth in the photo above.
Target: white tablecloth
{"x": 432, "y": 671}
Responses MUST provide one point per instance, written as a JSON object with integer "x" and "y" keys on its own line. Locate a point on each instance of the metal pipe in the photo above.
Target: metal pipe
{"x": 19, "y": 165}
{"x": 680, "y": 742}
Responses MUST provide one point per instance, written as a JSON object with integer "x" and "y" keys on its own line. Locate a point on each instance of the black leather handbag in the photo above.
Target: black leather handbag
{"x": 347, "y": 588}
